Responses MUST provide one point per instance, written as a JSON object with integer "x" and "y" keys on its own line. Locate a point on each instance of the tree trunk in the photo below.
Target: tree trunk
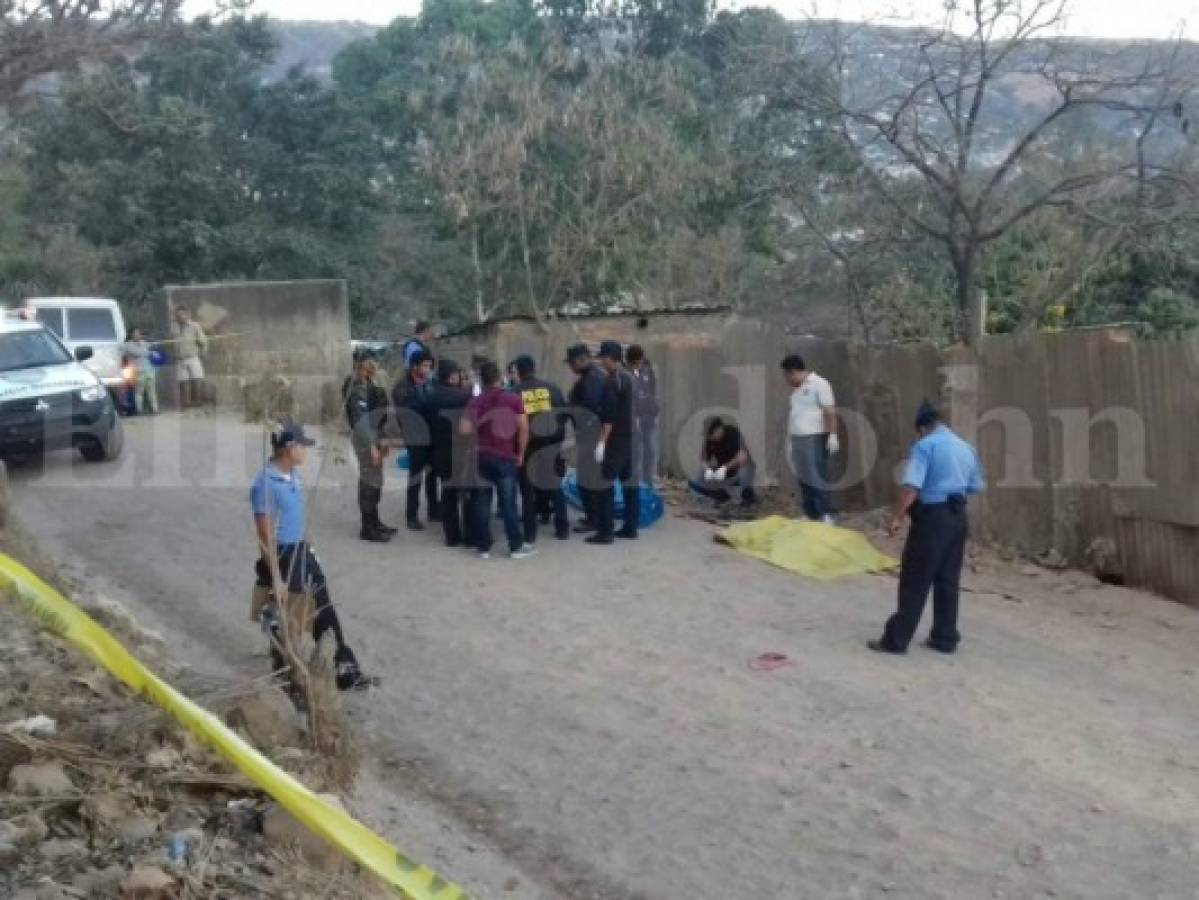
{"x": 480, "y": 309}
{"x": 527, "y": 259}
{"x": 972, "y": 302}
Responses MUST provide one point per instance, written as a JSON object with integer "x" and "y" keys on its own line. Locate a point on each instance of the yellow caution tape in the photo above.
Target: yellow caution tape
{"x": 62, "y": 617}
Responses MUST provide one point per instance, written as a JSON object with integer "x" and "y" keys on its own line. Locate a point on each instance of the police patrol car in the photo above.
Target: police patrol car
{"x": 49, "y": 400}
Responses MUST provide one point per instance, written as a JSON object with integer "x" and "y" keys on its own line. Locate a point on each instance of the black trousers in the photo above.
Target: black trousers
{"x": 591, "y": 480}
{"x": 370, "y": 488}
{"x": 456, "y": 510}
{"x": 541, "y": 491}
{"x": 302, "y": 572}
{"x": 618, "y": 466}
{"x": 420, "y": 469}
{"x": 932, "y": 558}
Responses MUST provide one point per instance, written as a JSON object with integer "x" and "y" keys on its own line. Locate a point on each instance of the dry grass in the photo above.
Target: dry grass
{"x": 104, "y": 740}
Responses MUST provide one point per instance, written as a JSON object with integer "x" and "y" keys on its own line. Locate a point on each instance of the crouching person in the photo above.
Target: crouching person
{"x": 289, "y": 568}
{"x": 727, "y": 464}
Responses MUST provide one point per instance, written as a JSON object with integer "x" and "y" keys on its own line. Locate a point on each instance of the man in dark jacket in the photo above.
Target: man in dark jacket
{"x": 453, "y": 463}
{"x": 541, "y": 475}
{"x": 614, "y": 451}
{"x": 586, "y": 396}
{"x": 409, "y": 397}
{"x": 645, "y": 408}
{"x": 366, "y": 411}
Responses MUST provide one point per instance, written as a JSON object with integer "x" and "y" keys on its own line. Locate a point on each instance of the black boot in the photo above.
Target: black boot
{"x": 377, "y": 524}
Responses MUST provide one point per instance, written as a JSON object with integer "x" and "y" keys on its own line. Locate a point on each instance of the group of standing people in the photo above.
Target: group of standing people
{"x": 478, "y": 443}
{"x": 140, "y": 357}
{"x": 477, "y": 447}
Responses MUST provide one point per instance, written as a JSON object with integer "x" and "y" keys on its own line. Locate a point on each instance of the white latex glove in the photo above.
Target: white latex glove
{"x": 722, "y": 473}
{"x": 599, "y": 453}
{"x": 834, "y": 445}
{"x": 709, "y": 474}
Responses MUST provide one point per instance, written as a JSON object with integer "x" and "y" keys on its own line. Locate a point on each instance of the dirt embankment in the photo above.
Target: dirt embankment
{"x": 102, "y": 795}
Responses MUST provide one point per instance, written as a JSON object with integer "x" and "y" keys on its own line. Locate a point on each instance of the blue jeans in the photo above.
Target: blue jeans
{"x": 645, "y": 450}
{"x": 501, "y": 474}
{"x": 809, "y": 455}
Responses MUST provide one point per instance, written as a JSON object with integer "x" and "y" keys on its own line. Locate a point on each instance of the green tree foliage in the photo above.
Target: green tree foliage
{"x": 558, "y": 169}
{"x": 557, "y": 156}
{"x": 185, "y": 167}
{"x": 49, "y": 37}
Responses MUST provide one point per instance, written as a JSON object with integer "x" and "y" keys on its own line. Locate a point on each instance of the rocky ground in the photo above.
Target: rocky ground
{"x": 103, "y": 796}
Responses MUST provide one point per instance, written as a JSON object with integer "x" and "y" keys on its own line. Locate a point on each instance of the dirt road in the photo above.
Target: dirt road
{"x": 585, "y": 724}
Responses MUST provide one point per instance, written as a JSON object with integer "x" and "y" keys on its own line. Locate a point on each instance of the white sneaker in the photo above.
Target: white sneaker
{"x": 525, "y": 551}
{"x": 483, "y": 554}
{"x": 829, "y": 520}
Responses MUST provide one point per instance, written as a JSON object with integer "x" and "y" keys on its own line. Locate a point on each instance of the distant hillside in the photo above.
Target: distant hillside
{"x": 314, "y": 45}
{"x": 878, "y": 58}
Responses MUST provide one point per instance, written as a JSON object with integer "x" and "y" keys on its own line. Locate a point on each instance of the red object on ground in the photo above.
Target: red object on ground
{"x": 768, "y": 662}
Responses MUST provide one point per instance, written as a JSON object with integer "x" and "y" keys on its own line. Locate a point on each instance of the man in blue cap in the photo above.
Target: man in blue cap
{"x": 543, "y": 469}
{"x": 287, "y": 564}
{"x": 614, "y": 452}
{"x": 942, "y": 471}
{"x": 409, "y": 397}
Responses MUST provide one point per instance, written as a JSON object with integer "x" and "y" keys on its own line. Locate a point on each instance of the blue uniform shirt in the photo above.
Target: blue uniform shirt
{"x": 281, "y": 497}
{"x": 942, "y": 464}
{"x": 411, "y": 348}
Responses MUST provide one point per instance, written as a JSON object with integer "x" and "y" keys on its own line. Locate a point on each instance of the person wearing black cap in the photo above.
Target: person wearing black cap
{"x": 942, "y": 471}
{"x": 453, "y": 462}
{"x": 366, "y": 411}
{"x": 586, "y": 397}
{"x": 287, "y": 564}
{"x": 614, "y": 452}
{"x": 541, "y": 475}
{"x": 408, "y": 396}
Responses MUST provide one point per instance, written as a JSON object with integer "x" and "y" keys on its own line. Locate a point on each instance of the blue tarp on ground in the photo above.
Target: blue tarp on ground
{"x": 652, "y": 506}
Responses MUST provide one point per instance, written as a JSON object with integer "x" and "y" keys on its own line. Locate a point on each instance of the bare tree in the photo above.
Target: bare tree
{"x": 559, "y": 171}
{"x": 40, "y": 37}
{"x": 926, "y": 116}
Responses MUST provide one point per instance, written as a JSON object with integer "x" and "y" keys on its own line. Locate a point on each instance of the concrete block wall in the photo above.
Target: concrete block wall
{"x": 297, "y": 331}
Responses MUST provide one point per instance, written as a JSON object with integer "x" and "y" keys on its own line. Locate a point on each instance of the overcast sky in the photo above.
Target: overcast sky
{"x": 1094, "y": 18}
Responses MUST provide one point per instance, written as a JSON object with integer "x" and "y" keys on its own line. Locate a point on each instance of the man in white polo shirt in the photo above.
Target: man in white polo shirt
{"x": 812, "y": 427}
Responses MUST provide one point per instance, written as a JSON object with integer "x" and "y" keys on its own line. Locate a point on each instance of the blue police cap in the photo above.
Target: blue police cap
{"x": 926, "y": 416}
{"x": 291, "y": 433}
{"x": 611, "y": 350}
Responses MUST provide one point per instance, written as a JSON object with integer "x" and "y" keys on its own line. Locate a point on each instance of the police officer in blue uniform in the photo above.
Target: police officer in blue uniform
{"x": 942, "y": 471}
{"x": 287, "y": 564}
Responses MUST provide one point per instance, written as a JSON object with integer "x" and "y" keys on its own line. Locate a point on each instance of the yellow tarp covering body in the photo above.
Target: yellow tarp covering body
{"x": 807, "y": 548}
